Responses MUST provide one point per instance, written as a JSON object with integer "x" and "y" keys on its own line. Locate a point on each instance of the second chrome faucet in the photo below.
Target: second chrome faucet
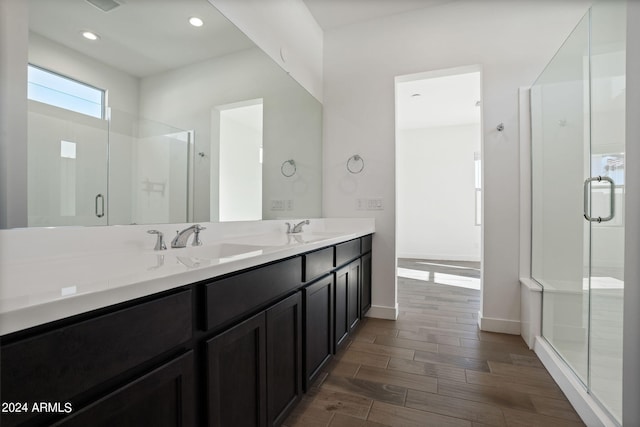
{"x": 296, "y": 228}
{"x": 180, "y": 241}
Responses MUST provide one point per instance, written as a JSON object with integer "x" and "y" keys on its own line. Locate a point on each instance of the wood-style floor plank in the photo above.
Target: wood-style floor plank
{"x": 397, "y": 416}
{"x": 454, "y": 407}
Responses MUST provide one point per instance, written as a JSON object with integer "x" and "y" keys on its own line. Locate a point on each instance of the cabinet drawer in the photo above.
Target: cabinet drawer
{"x": 229, "y": 299}
{"x": 163, "y": 397}
{"x": 347, "y": 251}
{"x": 58, "y": 365}
{"x": 317, "y": 264}
{"x": 366, "y": 243}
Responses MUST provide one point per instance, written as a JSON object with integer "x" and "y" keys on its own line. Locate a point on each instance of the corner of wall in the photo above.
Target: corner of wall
{"x": 14, "y": 35}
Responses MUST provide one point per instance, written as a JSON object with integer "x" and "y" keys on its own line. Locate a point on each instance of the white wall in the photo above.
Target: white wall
{"x": 512, "y": 41}
{"x": 14, "y": 30}
{"x": 631, "y": 358}
{"x": 436, "y": 193}
{"x": 286, "y": 31}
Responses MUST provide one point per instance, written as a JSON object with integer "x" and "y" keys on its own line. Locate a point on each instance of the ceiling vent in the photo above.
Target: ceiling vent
{"x": 104, "y": 5}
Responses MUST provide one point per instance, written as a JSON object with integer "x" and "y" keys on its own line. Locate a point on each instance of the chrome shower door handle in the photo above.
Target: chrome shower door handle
{"x": 612, "y": 199}
{"x": 100, "y": 213}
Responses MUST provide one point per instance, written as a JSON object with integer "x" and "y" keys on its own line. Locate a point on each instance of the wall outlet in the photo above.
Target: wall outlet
{"x": 289, "y": 204}
{"x": 369, "y": 205}
{"x": 374, "y": 205}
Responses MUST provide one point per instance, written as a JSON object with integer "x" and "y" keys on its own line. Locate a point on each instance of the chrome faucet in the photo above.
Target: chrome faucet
{"x": 160, "y": 245}
{"x": 296, "y": 228}
{"x": 180, "y": 241}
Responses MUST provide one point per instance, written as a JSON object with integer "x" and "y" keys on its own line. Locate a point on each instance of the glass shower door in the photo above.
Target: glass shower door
{"x": 578, "y": 163}
{"x": 560, "y": 164}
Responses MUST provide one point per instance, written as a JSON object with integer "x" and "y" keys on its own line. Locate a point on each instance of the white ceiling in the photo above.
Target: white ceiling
{"x": 140, "y": 37}
{"x": 336, "y": 13}
{"x": 442, "y": 101}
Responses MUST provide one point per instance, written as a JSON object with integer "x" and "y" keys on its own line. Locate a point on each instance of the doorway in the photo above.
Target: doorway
{"x": 439, "y": 178}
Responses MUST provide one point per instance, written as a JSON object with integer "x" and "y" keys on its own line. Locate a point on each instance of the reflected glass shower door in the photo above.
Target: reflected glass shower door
{"x": 67, "y": 167}
{"x": 578, "y": 144}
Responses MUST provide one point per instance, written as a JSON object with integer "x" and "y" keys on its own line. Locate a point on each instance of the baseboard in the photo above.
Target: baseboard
{"x": 584, "y": 404}
{"x": 502, "y": 326}
{"x": 383, "y": 312}
{"x": 437, "y": 257}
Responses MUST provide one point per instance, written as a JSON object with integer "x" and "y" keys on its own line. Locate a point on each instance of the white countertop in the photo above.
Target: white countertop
{"x": 38, "y": 286}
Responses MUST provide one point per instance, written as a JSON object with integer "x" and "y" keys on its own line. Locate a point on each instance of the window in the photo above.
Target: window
{"x": 53, "y": 89}
{"x": 478, "y": 179}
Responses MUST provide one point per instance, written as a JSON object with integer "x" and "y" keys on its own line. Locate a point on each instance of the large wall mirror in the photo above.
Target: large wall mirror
{"x": 140, "y": 114}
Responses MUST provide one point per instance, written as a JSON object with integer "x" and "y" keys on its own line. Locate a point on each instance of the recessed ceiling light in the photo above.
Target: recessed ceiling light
{"x": 90, "y": 36}
{"x": 196, "y": 22}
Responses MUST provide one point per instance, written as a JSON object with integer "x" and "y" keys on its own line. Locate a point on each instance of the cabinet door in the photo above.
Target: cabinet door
{"x": 353, "y": 294}
{"x": 318, "y": 327}
{"x": 163, "y": 397}
{"x": 284, "y": 358}
{"x": 365, "y": 284}
{"x": 236, "y": 383}
{"x": 341, "y": 317}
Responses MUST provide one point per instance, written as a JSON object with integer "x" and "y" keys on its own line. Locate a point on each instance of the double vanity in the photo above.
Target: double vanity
{"x": 229, "y": 333}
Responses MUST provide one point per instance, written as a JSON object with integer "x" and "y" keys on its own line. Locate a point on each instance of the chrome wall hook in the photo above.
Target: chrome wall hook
{"x": 500, "y": 127}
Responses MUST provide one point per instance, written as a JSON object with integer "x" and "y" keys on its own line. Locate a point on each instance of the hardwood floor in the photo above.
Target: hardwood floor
{"x": 433, "y": 367}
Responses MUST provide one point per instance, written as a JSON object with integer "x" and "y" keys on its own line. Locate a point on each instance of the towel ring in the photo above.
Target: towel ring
{"x": 352, "y": 164}
{"x": 292, "y": 164}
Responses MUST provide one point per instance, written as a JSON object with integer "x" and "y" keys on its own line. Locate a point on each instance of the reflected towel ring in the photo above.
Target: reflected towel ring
{"x": 352, "y": 164}
{"x": 291, "y": 169}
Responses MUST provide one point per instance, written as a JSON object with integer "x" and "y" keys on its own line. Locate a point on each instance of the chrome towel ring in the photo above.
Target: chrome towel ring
{"x": 355, "y": 164}
{"x": 288, "y": 171}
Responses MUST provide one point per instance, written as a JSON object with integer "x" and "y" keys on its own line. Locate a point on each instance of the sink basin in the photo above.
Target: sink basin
{"x": 282, "y": 239}
{"x": 221, "y": 251}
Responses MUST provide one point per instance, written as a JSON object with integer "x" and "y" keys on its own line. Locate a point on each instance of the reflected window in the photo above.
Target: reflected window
{"x": 50, "y": 88}
{"x": 478, "y": 180}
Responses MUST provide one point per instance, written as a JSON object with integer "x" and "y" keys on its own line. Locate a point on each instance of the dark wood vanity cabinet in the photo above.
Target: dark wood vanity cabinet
{"x": 318, "y": 307}
{"x": 365, "y": 279}
{"x": 235, "y": 350}
{"x": 92, "y": 357}
{"x": 164, "y": 398}
{"x": 284, "y": 358}
{"x": 254, "y": 369}
{"x": 347, "y": 301}
{"x": 237, "y": 375}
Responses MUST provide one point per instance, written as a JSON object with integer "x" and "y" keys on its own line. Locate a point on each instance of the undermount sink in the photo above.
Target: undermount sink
{"x": 283, "y": 239}
{"x": 220, "y": 251}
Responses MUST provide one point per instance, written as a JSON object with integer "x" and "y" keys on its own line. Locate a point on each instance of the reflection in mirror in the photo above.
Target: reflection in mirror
{"x": 186, "y": 123}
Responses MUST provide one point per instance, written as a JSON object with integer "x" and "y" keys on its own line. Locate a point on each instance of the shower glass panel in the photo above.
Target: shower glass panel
{"x": 560, "y": 156}
{"x": 148, "y": 171}
{"x": 578, "y": 163}
{"x": 608, "y": 49}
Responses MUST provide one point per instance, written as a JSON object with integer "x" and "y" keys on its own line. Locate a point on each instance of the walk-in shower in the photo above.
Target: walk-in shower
{"x": 578, "y": 196}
